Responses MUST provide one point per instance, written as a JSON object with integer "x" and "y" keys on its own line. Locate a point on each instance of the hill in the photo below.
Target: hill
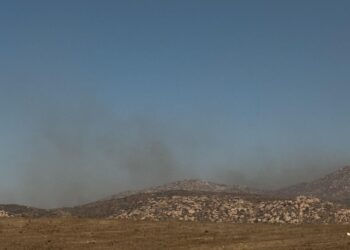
{"x": 333, "y": 187}
{"x": 188, "y": 185}
{"x": 320, "y": 201}
{"x": 215, "y": 207}
{"x": 14, "y": 210}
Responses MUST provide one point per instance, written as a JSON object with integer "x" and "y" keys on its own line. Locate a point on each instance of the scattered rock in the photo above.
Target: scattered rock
{"x": 4, "y": 214}
{"x": 229, "y": 208}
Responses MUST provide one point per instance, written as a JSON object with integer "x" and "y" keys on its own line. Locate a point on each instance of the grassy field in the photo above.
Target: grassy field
{"x": 69, "y": 233}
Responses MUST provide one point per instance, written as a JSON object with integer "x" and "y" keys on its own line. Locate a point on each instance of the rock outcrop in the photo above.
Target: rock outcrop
{"x": 236, "y": 210}
{"x": 4, "y": 214}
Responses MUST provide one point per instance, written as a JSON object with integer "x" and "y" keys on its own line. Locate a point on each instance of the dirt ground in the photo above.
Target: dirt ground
{"x": 70, "y": 233}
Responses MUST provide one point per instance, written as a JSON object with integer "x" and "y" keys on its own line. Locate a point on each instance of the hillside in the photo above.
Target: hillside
{"x": 13, "y": 210}
{"x": 320, "y": 201}
{"x": 334, "y": 187}
{"x": 215, "y": 207}
{"x": 188, "y": 185}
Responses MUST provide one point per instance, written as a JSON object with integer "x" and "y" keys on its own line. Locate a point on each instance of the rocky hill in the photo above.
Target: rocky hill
{"x": 333, "y": 187}
{"x": 216, "y": 207}
{"x": 320, "y": 201}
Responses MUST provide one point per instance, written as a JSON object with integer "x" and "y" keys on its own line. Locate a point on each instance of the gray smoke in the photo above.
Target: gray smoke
{"x": 80, "y": 151}
{"x": 273, "y": 172}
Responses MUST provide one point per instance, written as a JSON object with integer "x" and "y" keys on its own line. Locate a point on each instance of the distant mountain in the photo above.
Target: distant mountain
{"x": 334, "y": 187}
{"x": 188, "y": 185}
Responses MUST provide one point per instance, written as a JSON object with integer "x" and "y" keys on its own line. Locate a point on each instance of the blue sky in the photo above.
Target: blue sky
{"x": 240, "y": 87}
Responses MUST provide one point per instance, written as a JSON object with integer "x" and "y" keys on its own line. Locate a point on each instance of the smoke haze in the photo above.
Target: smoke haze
{"x": 81, "y": 151}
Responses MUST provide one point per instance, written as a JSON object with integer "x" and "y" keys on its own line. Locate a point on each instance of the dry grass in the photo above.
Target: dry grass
{"x": 70, "y": 233}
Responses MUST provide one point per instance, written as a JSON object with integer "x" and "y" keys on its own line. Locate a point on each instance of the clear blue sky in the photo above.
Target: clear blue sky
{"x": 233, "y": 86}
